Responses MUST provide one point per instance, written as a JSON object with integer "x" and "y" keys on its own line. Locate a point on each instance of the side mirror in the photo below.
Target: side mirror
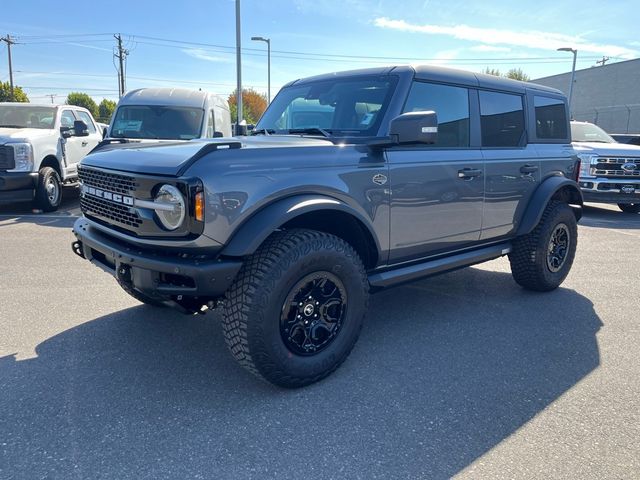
{"x": 414, "y": 127}
{"x": 80, "y": 129}
{"x": 66, "y": 132}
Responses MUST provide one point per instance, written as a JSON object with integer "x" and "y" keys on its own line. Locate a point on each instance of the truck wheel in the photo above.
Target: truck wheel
{"x": 48, "y": 190}
{"x": 296, "y": 308}
{"x": 141, "y": 297}
{"x": 629, "y": 207}
{"x": 541, "y": 260}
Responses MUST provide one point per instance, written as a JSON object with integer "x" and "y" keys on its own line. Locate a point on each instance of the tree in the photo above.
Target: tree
{"x": 105, "y": 110}
{"x": 18, "y": 93}
{"x": 253, "y": 105}
{"x": 83, "y": 100}
{"x": 492, "y": 71}
{"x": 518, "y": 74}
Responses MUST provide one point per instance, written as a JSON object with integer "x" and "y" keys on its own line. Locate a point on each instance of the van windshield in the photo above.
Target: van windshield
{"x": 351, "y": 106}
{"x": 157, "y": 122}
{"x": 18, "y": 116}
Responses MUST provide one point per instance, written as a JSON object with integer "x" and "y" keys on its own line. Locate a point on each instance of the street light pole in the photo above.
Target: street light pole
{"x": 238, "y": 68}
{"x": 268, "y": 42}
{"x": 573, "y": 73}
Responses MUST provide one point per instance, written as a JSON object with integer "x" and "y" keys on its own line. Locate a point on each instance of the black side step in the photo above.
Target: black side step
{"x": 440, "y": 265}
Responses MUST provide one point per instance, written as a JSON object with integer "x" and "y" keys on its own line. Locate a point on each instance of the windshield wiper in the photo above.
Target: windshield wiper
{"x": 263, "y": 131}
{"x": 311, "y": 130}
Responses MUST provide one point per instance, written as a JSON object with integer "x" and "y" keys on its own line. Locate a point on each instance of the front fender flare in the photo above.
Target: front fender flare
{"x": 543, "y": 195}
{"x": 250, "y": 235}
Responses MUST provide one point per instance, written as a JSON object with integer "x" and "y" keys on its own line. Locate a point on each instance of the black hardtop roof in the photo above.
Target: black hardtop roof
{"x": 438, "y": 74}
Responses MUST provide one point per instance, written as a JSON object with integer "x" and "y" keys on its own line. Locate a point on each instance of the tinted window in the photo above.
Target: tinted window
{"x": 451, "y": 104}
{"x": 501, "y": 119}
{"x": 84, "y": 116}
{"x": 67, "y": 119}
{"x": 154, "y": 121}
{"x": 551, "y": 118}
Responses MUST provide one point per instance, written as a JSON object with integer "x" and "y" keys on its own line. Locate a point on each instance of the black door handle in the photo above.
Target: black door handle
{"x": 528, "y": 168}
{"x": 84, "y": 144}
{"x": 469, "y": 173}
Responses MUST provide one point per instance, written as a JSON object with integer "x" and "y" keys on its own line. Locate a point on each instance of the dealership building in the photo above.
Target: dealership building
{"x": 607, "y": 95}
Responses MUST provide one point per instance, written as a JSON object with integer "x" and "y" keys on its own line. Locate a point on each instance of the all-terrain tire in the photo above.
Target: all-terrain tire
{"x": 48, "y": 190}
{"x": 540, "y": 263}
{"x": 141, "y": 297}
{"x": 629, "y": 207}
{"x": 255, "y": 312}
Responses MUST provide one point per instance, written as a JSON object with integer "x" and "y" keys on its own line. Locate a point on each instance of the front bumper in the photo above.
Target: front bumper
{"x": 153, "y": 272}
{"x": 610, "y": 190}
{"x": 17, "y": 186}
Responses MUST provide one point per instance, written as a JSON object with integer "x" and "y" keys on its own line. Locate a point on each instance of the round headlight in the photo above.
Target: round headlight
{"x": 171, "y": 207}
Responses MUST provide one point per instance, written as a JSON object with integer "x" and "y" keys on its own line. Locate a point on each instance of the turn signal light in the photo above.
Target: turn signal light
{"x": 199, "y": 206}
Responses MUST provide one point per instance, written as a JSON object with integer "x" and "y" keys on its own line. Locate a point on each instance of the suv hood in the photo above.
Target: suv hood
{"x": 607, "y": 149}
{"x": 170, "y": 158}
{"x": 22, "y": 134}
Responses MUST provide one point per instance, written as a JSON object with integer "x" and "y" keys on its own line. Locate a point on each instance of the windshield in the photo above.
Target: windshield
{"x": 157, "y": 122}
{"x": 14, "y": 116}
{"x": 588, "y": 132}
{"x": 347, "y": 106}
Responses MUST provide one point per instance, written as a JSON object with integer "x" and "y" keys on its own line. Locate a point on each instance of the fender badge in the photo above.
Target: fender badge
{"x": 379, "y": 179}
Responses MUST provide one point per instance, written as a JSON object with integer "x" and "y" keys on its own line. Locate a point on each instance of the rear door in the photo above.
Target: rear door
{"x": 436, "y": 190}
{"x": 512, "y": 166}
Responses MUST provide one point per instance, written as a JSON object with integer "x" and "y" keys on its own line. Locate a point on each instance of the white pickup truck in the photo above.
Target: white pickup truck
{"x": 40, "y": 147}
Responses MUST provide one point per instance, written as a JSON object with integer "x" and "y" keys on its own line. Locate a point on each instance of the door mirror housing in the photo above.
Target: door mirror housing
{"x": 66, "y": 132}
{"x": 80, "y": 129}
{"x": 415, "y": 128}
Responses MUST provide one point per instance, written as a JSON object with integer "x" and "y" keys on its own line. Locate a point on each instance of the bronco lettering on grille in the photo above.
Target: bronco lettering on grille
{"x": 113, "y": 197}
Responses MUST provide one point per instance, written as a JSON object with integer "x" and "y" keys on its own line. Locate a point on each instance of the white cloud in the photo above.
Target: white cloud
{"x": 489, "y": 48}
{"x": 492, "y": 36}
{"x": 201, "y": 54}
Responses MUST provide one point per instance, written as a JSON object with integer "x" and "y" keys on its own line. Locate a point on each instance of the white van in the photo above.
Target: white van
{"x": 169, "y": 114}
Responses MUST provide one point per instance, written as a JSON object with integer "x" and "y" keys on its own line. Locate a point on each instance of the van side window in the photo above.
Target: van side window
{"x": 551, "y": 118}
{"x": 210, "y": 125}
{"x": 451, "y": 105}
{"x": 501, "y": 119}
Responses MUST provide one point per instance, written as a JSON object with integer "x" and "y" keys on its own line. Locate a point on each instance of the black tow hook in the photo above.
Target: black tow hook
{"x": 124, "y": 274}
{"x": 77, "y": 249}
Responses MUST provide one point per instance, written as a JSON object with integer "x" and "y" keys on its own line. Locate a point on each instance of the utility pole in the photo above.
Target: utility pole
{"x": 121, "y": 56}
{"x": 603, "y": 61}
{"x": 9, "y": 43}
{"x": 238, "y": 68}
{"x": 52, "y": 96}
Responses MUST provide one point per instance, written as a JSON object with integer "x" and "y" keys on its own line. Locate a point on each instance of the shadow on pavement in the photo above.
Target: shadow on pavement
{"x": 445, "y": 370}
{"x": 606, "y": 218}
{"x": 64, "y": 217}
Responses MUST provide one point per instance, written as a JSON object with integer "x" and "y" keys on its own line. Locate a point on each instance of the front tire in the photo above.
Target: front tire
{"x": 541, "y": 260}
{"x": 48, "y": 190}
{"x": 629, "y": 207}
{"x": 296, "y": 308}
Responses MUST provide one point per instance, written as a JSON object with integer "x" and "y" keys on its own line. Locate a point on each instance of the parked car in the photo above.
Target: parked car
{"x": 169, "y": 114}
{"x": 630, "y": 138}
{"x": 40, "y": 147}
{"x": 610, "y": 171}
{"x": 350, "y": 182}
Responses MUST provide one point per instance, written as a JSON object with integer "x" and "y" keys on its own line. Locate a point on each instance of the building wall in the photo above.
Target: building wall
{"x": 608, "y": 96}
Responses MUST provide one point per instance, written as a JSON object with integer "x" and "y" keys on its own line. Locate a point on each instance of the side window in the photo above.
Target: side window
{"x": 67, "y": 119}
{"x": 501, "y": 119}
{"x": 210, "y": 124}
{"x": 551, "y": 118}
{"x": 451, "y": 104}
{"x": 84, "y": 116}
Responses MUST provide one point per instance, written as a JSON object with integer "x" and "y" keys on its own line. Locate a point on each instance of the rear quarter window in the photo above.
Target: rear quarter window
{"x": 551, "y": 118}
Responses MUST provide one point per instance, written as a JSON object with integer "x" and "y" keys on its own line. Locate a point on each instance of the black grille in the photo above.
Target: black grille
{"x": 111, "y": 182}
{"x": 612, "y": 167}
{"x": 107, "y": 210}
{"x": 7, "y": 161}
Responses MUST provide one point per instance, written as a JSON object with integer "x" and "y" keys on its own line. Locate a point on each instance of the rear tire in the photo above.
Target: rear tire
{"x": 541, "y": 260}
{"x": 48, "y": 190}
{"x": 629, "y": 207}
{"x": 296, "y": 308}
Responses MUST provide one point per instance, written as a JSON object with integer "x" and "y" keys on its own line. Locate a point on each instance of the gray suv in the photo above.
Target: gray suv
{"x": 351, "y": 182}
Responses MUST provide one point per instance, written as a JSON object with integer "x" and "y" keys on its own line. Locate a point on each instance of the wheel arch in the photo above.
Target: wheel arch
{"x": 52, "y": 161}
{"x": 315, "y": 212}
{"x": 553, "y": 188}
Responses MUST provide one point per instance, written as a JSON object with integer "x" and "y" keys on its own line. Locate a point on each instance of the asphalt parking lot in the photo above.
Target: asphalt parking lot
{"x": 461, "y": 375}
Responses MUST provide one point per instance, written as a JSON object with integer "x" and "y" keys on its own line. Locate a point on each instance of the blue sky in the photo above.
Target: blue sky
{"x": 308, "y": 37}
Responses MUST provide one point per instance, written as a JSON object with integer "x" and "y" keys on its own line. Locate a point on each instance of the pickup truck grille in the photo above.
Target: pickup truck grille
{"x": 104, "y": 209}
{"x": 611, "y": 167}
{"x": 7, "y": 161}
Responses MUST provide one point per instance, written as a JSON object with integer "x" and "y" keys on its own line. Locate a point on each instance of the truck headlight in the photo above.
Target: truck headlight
{"x": 23, "y": 157}
{"x": 170, "y": 207}
{"x": 586, "y": 161}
